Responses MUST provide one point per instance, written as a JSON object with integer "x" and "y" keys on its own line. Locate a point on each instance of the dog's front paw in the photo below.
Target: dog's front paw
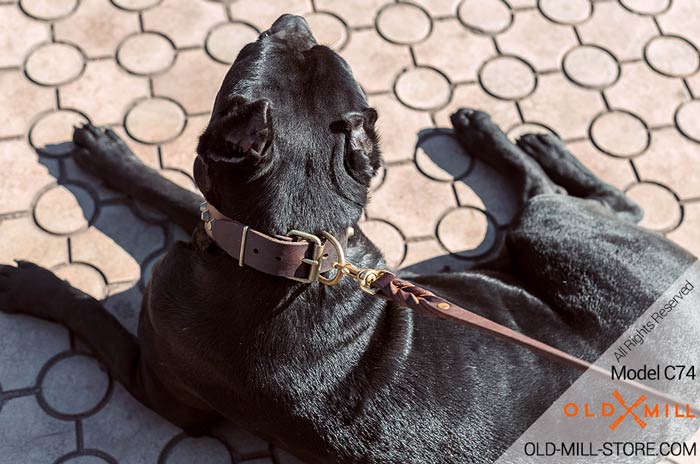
{"x": 31, "y": 289}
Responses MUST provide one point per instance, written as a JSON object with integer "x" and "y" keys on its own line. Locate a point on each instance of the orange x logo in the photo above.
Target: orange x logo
{"x": 628, "y": 411}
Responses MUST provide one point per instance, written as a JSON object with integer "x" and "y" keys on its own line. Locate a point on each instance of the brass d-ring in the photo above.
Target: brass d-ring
{"x": 339, "y": 264}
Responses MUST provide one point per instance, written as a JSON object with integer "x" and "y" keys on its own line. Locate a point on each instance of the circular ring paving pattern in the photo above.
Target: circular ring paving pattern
{"x": 225, "y": 41}
{"x": 591, "y": 66}
{"x": 423, "y": 88}
{"x": 620, "y": 133}
{"x": 508, "y": 78}
{"x": 54, "y": 64}
{"x": 155, "y": 120}
{"x": 146, "y": 53}
{"x": 404, "y": 23}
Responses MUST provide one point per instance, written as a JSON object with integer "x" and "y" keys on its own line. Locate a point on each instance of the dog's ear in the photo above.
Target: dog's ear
{"x": 239, "y": 135}
{"x": 362, "y": 158}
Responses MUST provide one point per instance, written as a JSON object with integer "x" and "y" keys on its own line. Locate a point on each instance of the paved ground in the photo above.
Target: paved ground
{"x": 619, "y": 81}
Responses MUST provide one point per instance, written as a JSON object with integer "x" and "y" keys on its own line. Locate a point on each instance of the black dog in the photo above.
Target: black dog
{"x": 333, "y": 374}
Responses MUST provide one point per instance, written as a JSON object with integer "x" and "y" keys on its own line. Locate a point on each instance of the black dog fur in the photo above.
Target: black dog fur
{"x": 332, "y": 374}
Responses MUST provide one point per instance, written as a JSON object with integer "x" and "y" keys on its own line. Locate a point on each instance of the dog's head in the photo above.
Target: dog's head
{"x": 291, "y": 141}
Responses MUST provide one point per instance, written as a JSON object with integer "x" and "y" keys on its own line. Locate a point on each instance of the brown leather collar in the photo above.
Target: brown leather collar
{"x": 298, "y": 255}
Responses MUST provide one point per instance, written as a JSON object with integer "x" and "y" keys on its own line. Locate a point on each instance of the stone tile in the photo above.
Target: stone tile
{"x": 83, "y": 277}
{"x": 64, "y": 209}
{"x": 672, "y": 56}
{"x": 75, "y": 385}
{"x": 439, "y": 156}
{"x": 561, "y": 105}
{"x": 117, "y": 243}
{"x": 688, "y": 119}
{"x": 504, "y": 113}
{"x": 20, "y": 102}
{"x": 570, "y": 12}
{"x": 22, "y": 239}
{"x": 439, "y": 7}
{"x": 97, "y": 27}
{"x": 147, "y": 53}
{"x": 670, "y": 148}
{"x": 423, "y": 89}
{"x": 48, "y": 9}
{"x": 356, "y": 13}
{"x": 682, "y": 19}
{"x": 398, "y": 126}
{"x": 662, "y": 212}
{"x": 422, "y": 251}
{"x": 328, "y": 29}
{"x": 263, "y": 14}
{"x": 138, "y": 439}
{"x": 155, "y": 120}
{"x": 22, "y": 168}
{"x": 646, "y": 7}
{"x": 620, "y": 133}
{"x": 27, "y": 343}
{"x": 603, "y": 29}
{"x": 416, "y": 219}
{"x": 688, "y": 234}
{"x": 50, "y": 438}
{"x": 181, "y": 152}
{"x": 538, "y": 41}
{"x": 403, "y": 23}
{"x": 485, "y": 16}
{"x": 466, "y": 231}
{"x": 203, "y": 450}
{"x": 18, "y": 35}
{"x": 55, "y": 128}
{"x": 591, "y": 66}
{"x": 136, "y": 5}
{"x": 615, "y": 171}
{"x": 104, "y": 92}
{"x": 54, "y": 64}
{"x": 193, "y": 81}
{"x": 227, "y": 39}
{"x": 388, "y": 238}
{"x": 375, "y": 62}
{"x": 508, "y": 78}
{"x": 185, "y": 22}
{"x": 647, "y": 94}
{"x": 455, "y": 50}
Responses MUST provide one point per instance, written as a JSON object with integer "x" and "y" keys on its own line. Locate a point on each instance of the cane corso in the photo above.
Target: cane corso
{"x": 333, "y": 374}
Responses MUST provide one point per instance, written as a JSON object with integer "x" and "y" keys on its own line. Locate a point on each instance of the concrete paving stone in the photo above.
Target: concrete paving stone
{"x": 647, "y": 94}
{"x": 672, "y": 56}
{"x": 21, "y": 168}
{"x": 662, "y": 212}
{"x": 263, "y": 14}
{"x": 117, "y": 243}
{"x": 22, "y": 239}
{"x": 461, "y": 59}
{"x": 562, "y": 105}
{"x": 620, "y": 133}
{"x": 466, "y": 196}
{"x": 27, "y": 344}
{"x": 494, "y": 189}
{"x": 227, "y": 39}
{"x": 54, "y": 64}
{"x": 83, "y": 277}
{"x": 124, "y": 302}
{"x": 155, "y": 120}
{"x": 64, "y": 209}
{"x": 399, "y": 127}
{"x": 603, "y": 29}
{"x": 538, "y": 41}
{"x": 646, "y": 7}
{"x": 203, "y": 450}
{"x": 328, "y": 29}
{"x": 185, "y": 22}
{"x": 508, "y": 77}
{"x": 440, "y": 156}
{"x": 687, "y": 234}
{"x": 193, "y": 81}
{"x": 420, "y": 251}
{"x": 55, "y": 127}
{"x": 103, "y": 92}
{"x": 388, "y": 238}
{"x": 670, "y": 148}
{"x": 136, "y": 5}
{"x": 48, "y": 9}
{"x": 50, "y": 438}
{"x": 404, "y": 23}
{"x": 439, "y": 8}
{"x": 375, "y": 62}
{"x": 181, "y": 152}
{"x": 682, "y": 19}
{"x": 504, "y": 113}
{"x": 358, "y": 13}
{"x": 485, "y": 16}
{"x": 146, "y": 53}
{"x": 591, "y": 66}
{"x": 465, "y": 231}
{"x": 615, "y": 171}
{"x": 18, "y": 35}
{"x": 423, "y": 89}
{"x": 570, "y": 12}
{"x": 416, "y": 219}
{"x": 74, "y": 385}
{"x": 20, "y": 102}
{"x": 140, "y": 435}
{"x": 688, "y": 119}
{"x": 97, "y": 27}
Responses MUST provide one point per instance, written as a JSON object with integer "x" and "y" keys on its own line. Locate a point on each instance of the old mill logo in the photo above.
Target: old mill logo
{"x": 638, "y": 411}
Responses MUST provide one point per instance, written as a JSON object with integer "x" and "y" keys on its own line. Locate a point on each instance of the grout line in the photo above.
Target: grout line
{"x": 79, "y": 441}
{"x": 634, "y": 170}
